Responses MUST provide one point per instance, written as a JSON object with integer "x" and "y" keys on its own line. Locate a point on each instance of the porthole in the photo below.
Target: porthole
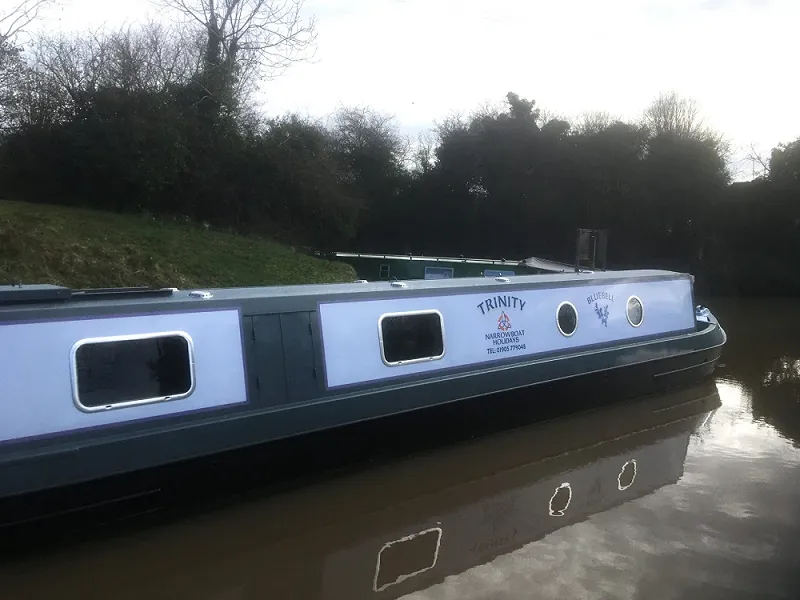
{"x": 567, "y": 318}
{"x": 635, "y": 311}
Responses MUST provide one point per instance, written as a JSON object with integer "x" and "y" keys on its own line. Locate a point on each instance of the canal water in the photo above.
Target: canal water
{"x": 690, "y": 494}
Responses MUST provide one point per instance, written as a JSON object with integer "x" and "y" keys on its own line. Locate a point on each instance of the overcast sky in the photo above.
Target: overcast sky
{"x": 421, "y": 59}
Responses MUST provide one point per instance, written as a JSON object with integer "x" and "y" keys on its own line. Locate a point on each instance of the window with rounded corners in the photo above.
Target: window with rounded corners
{"x": 567, "y": 318}
{"x": 634, "y": 311}
{"x": 131, "y": 370}
{"x": 411, "y": 337}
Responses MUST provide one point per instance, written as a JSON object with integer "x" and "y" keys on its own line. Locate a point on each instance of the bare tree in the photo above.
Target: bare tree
{"x": 23, "y": 13}
{"x": 671, "y": 114}
{"x": 759, "y": 165}
{"x": 424, "y": 153}
{"x": 248, "y": 39}
{"x": 152, "y": 57}
{"x": 76, "y": 65}
{"x": 591, "y": 123}
{"x": 357, "y": 128}
{"x": 546, "y": 115}
{"x": 14, "y": 73}
{"x": 61, "y": 73}
{"x": 148, "y": 57}
{"x": 453, "y": 124}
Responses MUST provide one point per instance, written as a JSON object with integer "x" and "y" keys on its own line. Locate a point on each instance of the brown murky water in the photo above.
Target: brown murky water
{"x": 691, "y": 494}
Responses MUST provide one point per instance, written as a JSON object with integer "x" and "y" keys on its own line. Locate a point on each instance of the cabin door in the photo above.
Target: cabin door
{"x": 284, "y": 357}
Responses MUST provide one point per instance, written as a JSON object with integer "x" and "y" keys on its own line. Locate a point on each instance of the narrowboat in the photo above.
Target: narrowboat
{"x": 109, "y": 381}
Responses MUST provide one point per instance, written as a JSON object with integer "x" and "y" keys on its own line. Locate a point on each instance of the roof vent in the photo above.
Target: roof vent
{"x": 201, "y": 294}
{"x": 22, "y": 294}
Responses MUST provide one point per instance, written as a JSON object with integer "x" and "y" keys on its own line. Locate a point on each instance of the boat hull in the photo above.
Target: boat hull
{"x": 104, "y": 458}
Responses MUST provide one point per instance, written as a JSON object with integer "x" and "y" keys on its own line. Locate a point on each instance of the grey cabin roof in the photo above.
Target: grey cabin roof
{"x": 330, "y": 291}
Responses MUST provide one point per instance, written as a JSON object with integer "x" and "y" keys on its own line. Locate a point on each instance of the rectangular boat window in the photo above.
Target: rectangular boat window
{"x": 438, "y": 273}
{"x": 130, "y": 370}
{"x": 384, "y": 271}
{"x": 411, "y": 337}
{"x": 497, "y": 273}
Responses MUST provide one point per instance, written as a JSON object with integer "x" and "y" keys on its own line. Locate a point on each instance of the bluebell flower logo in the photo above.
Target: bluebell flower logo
{"x": 602, "y": 313}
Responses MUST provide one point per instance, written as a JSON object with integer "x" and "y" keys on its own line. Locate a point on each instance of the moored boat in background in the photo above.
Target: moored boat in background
{"x": 590, "y": 253}
{"x": 386, "y": 267}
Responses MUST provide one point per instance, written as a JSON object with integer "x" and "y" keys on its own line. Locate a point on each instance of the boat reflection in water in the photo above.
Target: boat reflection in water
{"x": 511, "y": 502}
{"x": 397, "y": 528}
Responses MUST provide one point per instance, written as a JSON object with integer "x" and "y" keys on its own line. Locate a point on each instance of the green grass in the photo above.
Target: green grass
{"x": 80, "y": 248}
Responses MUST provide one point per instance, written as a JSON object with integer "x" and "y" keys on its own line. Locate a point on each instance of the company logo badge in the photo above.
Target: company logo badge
{"x": 503, "y": 322}
{"x": 502, "y": 340}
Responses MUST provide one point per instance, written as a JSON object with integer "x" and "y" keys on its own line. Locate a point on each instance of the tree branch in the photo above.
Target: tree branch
{"x": 260, "y": 37}
{"x": 20, "y": 17}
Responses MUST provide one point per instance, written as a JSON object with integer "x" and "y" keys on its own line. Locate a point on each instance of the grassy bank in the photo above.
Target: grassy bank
{"x": 41, "y": 243}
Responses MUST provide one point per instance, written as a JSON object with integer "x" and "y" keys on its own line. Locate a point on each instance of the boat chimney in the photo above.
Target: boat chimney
{"x": 591, "y": 246}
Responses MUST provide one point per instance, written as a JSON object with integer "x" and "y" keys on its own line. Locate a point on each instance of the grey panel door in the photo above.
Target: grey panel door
{"x": 299, "y": 356}
{"x": 266, "y": 371}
